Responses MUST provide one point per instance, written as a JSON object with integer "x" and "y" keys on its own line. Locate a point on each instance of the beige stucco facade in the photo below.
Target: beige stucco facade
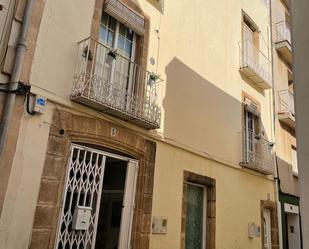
{"x": 196, "y": 48}
{"x": 285, "y": 134}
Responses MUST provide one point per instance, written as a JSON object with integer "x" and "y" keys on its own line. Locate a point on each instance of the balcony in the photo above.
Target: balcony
{"x": 109, "y": 82}
{"x": 286, "y": 112}
{"x": 283, "y": 41}
{"x": 258, "y": 154}
{"x": 255, "y": 65}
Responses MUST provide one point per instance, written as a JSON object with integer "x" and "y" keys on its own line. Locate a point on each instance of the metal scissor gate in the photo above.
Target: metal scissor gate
{"x": 79, "y": 215}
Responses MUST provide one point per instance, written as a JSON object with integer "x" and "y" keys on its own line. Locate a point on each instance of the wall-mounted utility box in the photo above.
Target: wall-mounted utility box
{"x": 39, "y": 104}
{"x": 159, "y": 225}
{"x": 253, "y": 230}
{"x": 81, "y": 218}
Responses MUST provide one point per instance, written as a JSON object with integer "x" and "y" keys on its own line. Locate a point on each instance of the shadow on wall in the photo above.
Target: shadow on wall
{"x": 200, "y": 115}
{"x": 252, "y": 84}
{"x": 288, "y": 182}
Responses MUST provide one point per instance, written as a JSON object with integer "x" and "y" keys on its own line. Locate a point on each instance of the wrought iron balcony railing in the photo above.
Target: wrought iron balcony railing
{"x": 286, "y": 99}
{"x": 106, "y": 80}
{"x": 283, "y": 32}
{"x": 255, "y": 65}
{"x": 257, "y": 153}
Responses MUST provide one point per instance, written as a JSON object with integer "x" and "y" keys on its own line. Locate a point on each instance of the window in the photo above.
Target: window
{"x": 111, "y": 67}
{"x": 196, "y": 217}
{"x": 251, "y": 132}
{"x": 250, "y": 38}
{"x": 294, "y": 160}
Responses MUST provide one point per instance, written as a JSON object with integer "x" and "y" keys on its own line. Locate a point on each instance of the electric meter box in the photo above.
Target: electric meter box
{"x": 253, "y": 230}
{"x": 39, "y": 104}
{"x": 81, "y": 218}
{"x": 159, "y": 225}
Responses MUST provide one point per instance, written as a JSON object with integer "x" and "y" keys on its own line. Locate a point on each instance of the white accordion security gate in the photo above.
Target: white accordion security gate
{"x": 83, "y": 188}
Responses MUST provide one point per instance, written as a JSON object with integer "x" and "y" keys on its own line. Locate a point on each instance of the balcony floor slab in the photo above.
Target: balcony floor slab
{"x": 116, "y": 112}
{"x": 252, "y": 75}
{"x": 287, "y": 118}
{"x": 284, "y": 49}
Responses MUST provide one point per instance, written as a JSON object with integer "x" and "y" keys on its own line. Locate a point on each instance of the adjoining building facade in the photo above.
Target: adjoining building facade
{"x": 286, "y": 147}
{"x": 148, "y": 124}
{"x": 300, "y": 39}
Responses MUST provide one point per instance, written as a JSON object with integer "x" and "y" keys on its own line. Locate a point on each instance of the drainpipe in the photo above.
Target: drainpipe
{"x": 15, "y": 77}
{"x": 277, "y": 179}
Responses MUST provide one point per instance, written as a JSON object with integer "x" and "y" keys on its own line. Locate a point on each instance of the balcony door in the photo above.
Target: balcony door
{"x": 247, "y": 43}
{"x": 250, "y": 136}
{"x": 114, "y": 58}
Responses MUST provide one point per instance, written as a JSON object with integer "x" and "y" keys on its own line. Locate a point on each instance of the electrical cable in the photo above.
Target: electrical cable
{"x": 9, "y": 91}
{"x": 24, "y": 89}
{"x": 32, "y": 113}
{"x": 61, "y": 131}
{"x": 59, "y": 115}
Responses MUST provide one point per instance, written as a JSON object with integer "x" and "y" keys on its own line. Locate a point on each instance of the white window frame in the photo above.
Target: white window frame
{"x": 128, "y": 205}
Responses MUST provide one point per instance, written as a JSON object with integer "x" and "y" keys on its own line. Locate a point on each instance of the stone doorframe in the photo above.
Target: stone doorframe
{"x": 272, "y": 206}
{"x": 210, "y": 185}
{"x": 81, "y": 129}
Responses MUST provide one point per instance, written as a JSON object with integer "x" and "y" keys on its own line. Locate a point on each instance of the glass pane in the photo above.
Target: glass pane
{"x": 122, "y": 83}
{"x": 122, "y": 29}
{"x": 112, "y": 23}
{"x": 121, "y": 76}
{"x": 104, "y": 19}
{"x": 125, "y": 67}
{"x": 121, "y": 42}
{"x": 110, "y": 38}
{"x": 129, "y": 34}
{"x": 128, "y": 48}
{"x": 103, "y": 32}
{"x": 195, "y": 217}
{"x": 250, "y": 121}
